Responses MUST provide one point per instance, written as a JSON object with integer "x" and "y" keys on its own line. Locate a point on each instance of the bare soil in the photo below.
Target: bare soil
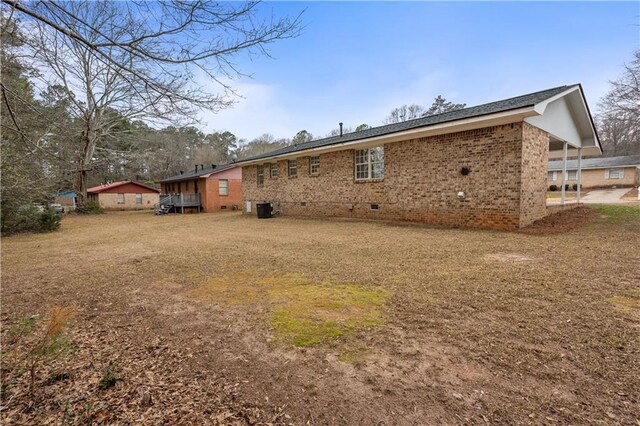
{"x": 416, "y": 325}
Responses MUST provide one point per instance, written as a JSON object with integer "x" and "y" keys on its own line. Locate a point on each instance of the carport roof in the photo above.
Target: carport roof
{"x": 597, "y": 163}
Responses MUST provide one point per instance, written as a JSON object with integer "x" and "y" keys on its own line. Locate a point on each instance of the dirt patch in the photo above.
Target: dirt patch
{"x": 510, "y": 257}
{"x": 563, "y": 221}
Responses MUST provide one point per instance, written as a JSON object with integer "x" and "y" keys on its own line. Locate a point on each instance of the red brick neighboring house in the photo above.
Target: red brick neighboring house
{"x": 124, "y": 195}
{"x": 483, "y": 166}
{"x": 212, "y": 188}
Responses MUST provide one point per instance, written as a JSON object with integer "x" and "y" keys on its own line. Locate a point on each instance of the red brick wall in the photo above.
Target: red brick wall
{"x": 422, "y": 179}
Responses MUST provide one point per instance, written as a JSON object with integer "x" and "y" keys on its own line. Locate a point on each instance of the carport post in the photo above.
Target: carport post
{"x": 579, "y": 177}
{"x": 564, "y": 172}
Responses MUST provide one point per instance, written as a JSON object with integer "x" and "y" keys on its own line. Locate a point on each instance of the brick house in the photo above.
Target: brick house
{"x": 483, "y": 166}
{"x": 210, "y": 189}
{"x": 598, "y": 172}
{"x": 124, "y": 195}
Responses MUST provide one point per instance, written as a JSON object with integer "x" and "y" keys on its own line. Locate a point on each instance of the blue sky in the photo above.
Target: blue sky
{"x": 354, "y": 62}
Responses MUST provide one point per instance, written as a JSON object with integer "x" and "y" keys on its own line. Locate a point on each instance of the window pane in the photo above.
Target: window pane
{"x": 377, "y": 154}
{"x": 362, "y": 156}
{"x": 362, "y": 171}
{"x": 377, "y": 171}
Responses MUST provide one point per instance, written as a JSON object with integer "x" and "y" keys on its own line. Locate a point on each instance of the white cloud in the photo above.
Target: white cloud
{"x": 257, "y": 111}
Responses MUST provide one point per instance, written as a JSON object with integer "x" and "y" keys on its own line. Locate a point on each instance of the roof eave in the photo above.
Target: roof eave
{"x": 495, "y": 119}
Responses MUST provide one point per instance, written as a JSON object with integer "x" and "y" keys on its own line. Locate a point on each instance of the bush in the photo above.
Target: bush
{"x": 553, "y": 188}
{"x": 567, "y": 187}
{"x": 49, "y": 220}
{"x": 91, "y": 207}
{"x": 28, "y": 218}
{"x": 575, "y": 186}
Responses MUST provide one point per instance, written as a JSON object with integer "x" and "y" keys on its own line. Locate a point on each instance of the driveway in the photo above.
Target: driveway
{"x": 605, "y": 196}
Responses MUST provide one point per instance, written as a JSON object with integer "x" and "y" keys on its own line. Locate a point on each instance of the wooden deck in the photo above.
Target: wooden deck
{"x": 178, "y": 202}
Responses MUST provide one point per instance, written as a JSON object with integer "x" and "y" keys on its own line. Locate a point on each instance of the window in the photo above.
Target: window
{"x": 120, "y": 198}
{"x": 370, "y": 163}
{"x": 223, "y": 187}
{"x": 551, "y": 176}
{"x": 572, "y": 174}
{"x": 274, "y": 170}
{"x": 138, "y": 198}
{"x": 314, "y": 165}
{"x": 614, "y": 174}
{"x": 293, "y": 168}
{"x": 260, "y": 175}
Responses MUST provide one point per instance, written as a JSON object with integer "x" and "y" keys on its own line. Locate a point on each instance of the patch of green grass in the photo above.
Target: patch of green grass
{"x": 303, "y": 313}
{"x": 109, "y": 377}
{"x": 617, "y": 213}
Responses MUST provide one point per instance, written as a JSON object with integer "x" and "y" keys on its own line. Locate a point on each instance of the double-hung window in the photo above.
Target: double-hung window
{"x": 120, "y": 198}
{"x": 614, "y": 173}
{"x": 551, "y": 176}
{"x": 223, "y": 187}
{"x": 138, "y": 198}
{"x": 314, "y": 165}
{"x": 572, "y": 174}
{"x": 274, "y": 170}
{"x": 293, "y": 168}
{"x": 370, "y": 163}
{"x": 260, "y": 175}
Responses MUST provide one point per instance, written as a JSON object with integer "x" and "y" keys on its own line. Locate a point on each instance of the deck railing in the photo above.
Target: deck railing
{"x": 180, "y": 200}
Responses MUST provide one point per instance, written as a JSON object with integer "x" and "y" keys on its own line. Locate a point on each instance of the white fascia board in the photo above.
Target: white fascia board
{"x": 540, "y": 107}
{"x": 574, "y": 98}
{"x": 587, "y": 151}
{"x": 472, "y": 123}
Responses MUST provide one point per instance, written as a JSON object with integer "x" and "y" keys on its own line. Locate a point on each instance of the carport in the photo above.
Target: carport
{"x": 572, "y": 133}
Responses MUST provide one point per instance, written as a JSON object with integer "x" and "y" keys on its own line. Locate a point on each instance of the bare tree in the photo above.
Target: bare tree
{"x": 618, "y": 120}
{"x": 404, "y": 113}
{"x": 152, "y": 61}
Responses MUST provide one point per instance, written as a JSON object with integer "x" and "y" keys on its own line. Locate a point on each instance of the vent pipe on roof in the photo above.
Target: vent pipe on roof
{"x": 181, "y": 172}
{"x": 201, "y": 167}
{"x": 340, "y": 129}
{"x": 196, "y": 168}
{"x": 213, "y": 166}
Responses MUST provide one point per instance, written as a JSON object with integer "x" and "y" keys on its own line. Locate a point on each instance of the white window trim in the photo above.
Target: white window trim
{"x": 568, "y": 176}
{"x": 554, "y": 176}
{"x": 118, "y": 198}
{"x": 369, "y": 164}
{"x": 311, "y": 164}
{"x": 619, "y": 174}
{"x": 274, "y": 167}
{"x": 138, "y": 197}
{"x": 225, "y": 187}
{"x": 260, "y": 175}
{"x": 289, "y": 163}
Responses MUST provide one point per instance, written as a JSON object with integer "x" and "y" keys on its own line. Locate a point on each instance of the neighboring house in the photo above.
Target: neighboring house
{"x": 209, "y": 189}
{"x": 483, "y": 166}
{"x": 125, "y": 195}
{"x": 598, "y": 172}
{"x": 66, "y": 199}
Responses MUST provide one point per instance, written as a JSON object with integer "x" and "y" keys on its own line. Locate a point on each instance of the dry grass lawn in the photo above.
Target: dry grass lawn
{"x": 222, "y": 318}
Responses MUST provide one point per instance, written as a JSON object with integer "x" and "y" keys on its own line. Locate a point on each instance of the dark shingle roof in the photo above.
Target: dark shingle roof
{"x": 475, "y": 111}
{"x": 193, "y": 174}
{"x": 598, "y": 163}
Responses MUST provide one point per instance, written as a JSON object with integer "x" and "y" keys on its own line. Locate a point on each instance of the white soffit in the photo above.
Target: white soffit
{"x": 566, "y": 117}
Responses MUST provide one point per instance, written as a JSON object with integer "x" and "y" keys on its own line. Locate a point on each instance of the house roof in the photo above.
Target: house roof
{"x": 101, "y": 188}
{"x": 205, "y": 172}
{"x": 511, "y": 104}
{"x": 597, "y": 163}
